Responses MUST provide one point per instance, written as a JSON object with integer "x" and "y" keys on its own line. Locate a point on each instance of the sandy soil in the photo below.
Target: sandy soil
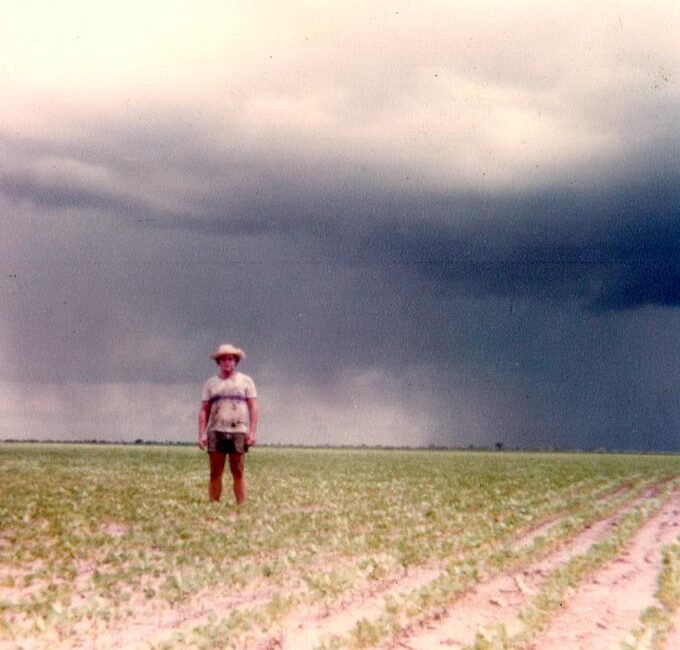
{"x": 673, "y": 640}
{"x": 601, "y": 613}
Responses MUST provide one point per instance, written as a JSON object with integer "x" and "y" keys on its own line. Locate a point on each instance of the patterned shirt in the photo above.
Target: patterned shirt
{"x": 229, "y": 408}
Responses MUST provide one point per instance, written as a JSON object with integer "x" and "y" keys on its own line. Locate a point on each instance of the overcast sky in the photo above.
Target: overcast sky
{"x": 450, "y": 223}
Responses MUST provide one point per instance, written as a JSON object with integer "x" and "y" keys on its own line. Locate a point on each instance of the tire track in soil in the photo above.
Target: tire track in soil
{"x": 500, "y": 600}
{"x": 304, "y": 631}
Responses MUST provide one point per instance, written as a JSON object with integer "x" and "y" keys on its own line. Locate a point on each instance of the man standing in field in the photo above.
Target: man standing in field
{"x": 227, "y": 420}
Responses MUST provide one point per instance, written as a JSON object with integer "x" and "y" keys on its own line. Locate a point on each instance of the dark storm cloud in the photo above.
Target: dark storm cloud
{"x": 329, "y": 280}
{"x": 58, "y": 195}
{"x": 614, "y": 248}
{"x": 354, "y": 268}
{"x": 63, "y": 193}
{"x": 650, "y": 282}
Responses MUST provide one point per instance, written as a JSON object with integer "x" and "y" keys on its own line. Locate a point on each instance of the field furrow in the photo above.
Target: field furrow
{"x": 492, "y": 610}
{"x": 429, "y": 606}
{"x": 599, "y": 612}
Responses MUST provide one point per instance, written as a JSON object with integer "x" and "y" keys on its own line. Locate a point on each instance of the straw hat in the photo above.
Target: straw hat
{"x": 228, "y": 348}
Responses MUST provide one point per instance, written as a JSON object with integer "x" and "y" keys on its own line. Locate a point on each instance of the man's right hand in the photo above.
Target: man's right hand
{"x": 203, "y": 440}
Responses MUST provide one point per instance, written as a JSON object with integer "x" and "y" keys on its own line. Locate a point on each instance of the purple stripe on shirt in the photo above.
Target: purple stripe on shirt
{"x": 235, "y": 398}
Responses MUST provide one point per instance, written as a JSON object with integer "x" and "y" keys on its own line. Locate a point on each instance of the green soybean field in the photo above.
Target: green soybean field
{"x": 118, "y": 547}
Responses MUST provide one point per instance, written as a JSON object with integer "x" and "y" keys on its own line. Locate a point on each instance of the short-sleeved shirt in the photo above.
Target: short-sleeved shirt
{"x": 228, "y": 398}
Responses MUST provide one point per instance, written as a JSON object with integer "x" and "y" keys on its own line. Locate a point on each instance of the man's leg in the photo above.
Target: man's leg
{"x": 217, "y": 459}
{"x": 236, "y": 464}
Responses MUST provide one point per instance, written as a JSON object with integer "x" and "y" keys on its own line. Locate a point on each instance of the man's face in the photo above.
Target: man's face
{"x": 227, "y": 364}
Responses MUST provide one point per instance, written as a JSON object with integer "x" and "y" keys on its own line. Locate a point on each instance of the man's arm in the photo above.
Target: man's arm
{"x": 252, "y": 420}
{"x": 203, "y": 415}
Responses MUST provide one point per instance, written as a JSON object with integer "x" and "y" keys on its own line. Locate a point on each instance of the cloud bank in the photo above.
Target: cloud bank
{"x": 426, "y": 224}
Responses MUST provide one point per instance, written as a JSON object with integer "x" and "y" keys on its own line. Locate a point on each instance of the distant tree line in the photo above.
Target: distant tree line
{"x": 498, "y": 446}
{"x": 94, "y": 441}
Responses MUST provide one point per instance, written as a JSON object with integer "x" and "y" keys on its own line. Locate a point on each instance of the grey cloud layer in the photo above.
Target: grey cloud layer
{"x": 616, "y": 245}
{"x": 350, "y": 267}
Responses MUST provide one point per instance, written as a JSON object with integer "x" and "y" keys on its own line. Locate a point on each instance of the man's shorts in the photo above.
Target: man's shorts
{"x": 227, "y": 442}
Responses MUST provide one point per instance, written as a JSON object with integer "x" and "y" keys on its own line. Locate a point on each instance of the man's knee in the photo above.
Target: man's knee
{"x": 236, "y": 467}
{"x": 216, "y": 468}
